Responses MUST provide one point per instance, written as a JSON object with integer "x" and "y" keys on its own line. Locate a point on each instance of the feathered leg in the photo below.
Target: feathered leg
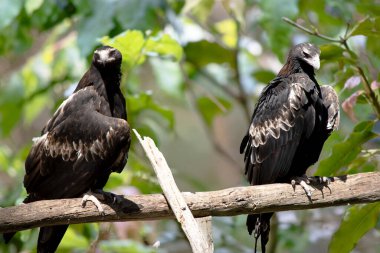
{"x": 8, "y": 236}
{"x": 260, "y": 224}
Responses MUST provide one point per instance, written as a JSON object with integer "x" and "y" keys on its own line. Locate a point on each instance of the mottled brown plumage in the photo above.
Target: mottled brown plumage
{"x": 87, "y": 138}
{"x": 292, "y": 119}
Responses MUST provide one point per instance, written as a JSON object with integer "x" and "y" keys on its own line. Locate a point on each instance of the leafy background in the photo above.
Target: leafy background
{"x": 192, "y": 72}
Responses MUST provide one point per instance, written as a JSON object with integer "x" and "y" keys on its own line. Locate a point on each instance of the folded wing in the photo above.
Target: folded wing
{"x": 283, "y": 114}
{"x": 79, "y": 148}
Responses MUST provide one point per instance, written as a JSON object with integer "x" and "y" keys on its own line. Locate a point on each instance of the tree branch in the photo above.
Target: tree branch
{"x": 177, "y": 203}
{"x": 345, "y": 190}
{"x": 370, "y": 93}
{"x": 314, "y": 32}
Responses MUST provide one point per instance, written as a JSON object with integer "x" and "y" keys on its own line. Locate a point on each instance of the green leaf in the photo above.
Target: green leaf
{"x": 10, "y": 109}
{"x": 139, "y": 14}
{"x": 368, "y": 8}
{"x": 362, "y": 98}
{"x": 331, "y": 52}
{"x": 32, "y": 5}
{"x": 134, "y": 47}
{"x": 209, "y": 109}
{"x": 368, "y": 27}
{"x": 116, "y": 180}
{"x": 328, "y": 21}
{"x": 9, "y": 11}
{"x": 345, "y": 152}
{"x": 228, "y": 29}
{"x": 263, "y": 76}
{"x": 5, "y": 154}
{"x": 199, "y": 8}
{"x": 51, "y": 13}
{"x": 362, "y": 164}
{"x": 177, "y": 5}
{"x": 168, "y": 76}
{"x": 164, "y": 46}
{"x": 357, "y": 221}
{"x": 237, "y": 7}
{"x": 278, "y": 31}
{"x": 144, "y": 101}
{"x": 130, "y": 44}
{"x": 204, "y": 52}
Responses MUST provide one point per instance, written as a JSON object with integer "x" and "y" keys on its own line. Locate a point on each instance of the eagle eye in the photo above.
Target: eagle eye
{"x": 307, "y": 55}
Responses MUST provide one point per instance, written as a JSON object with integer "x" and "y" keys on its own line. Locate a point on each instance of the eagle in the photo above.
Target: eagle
{"x": 86, "y": 140}
{"x": 291, "y": 121}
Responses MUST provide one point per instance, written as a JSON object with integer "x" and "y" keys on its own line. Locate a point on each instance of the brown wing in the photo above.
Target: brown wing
{"x": 79, "y": 145}
{"x": 282, "y": 116}
{"x": 331, "y": 102}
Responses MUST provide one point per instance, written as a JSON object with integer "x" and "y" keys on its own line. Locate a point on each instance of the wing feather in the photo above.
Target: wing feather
{"x": 331, "y": 102}
{"x": 282, "y": 116}
{"x": 78, "y": 135}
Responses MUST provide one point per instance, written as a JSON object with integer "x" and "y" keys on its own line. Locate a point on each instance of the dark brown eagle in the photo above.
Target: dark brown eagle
{"x": 293, "y": 118}
{"x": 87, "y": 138}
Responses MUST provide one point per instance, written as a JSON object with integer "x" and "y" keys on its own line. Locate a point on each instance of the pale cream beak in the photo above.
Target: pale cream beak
{"x": 314, "y": 62}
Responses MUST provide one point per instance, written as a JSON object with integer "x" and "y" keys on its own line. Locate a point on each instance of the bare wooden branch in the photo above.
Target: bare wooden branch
{"x": 346, "y": 190}
{"x": 205, "y": 224}
{"x": 189, "y": 225}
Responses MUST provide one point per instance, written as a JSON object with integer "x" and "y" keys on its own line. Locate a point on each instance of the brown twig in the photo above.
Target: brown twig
{"x": 314, "y": 32}
{"x": 370, "y": 94}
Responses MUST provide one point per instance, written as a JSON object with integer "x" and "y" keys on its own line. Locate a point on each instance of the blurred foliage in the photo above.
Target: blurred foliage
{"x": 357, "y": 221}
{"x": 345, "y": 152}
{"x": 209, "y": 57}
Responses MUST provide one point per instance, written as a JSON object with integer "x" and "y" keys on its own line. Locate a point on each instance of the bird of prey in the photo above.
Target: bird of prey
{"x": 292, "y": 119}
{"x": 87, "y": 138}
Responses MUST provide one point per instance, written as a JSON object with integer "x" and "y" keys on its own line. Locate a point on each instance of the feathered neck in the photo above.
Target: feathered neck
{"x": 106, "y": 82}
{"x": 101, "y": 79}
{"x": 293, "y": 66}
{"x": 111, "y": 77}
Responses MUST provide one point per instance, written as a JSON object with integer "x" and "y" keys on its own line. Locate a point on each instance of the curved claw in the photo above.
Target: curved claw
{"x": 90, "y": 197}
{"x": 304, "y": 183}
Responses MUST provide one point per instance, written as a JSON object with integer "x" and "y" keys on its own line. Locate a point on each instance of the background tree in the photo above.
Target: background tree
{"x": 192, "y": 72}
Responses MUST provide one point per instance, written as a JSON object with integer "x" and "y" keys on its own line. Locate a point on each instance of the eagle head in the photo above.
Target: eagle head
{"x": 307, "y": 53}
{"x": 106, "y": 56}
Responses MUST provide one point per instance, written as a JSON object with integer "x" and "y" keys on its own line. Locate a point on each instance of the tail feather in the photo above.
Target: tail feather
{"x": 50, "y": 237}
{"x": 8, "y": 236}
{"x": 260, "y": 225}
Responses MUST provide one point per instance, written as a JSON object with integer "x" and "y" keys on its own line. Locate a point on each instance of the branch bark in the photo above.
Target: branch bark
{"x": 190, "y": 227}
{"x": 345, "y": 190}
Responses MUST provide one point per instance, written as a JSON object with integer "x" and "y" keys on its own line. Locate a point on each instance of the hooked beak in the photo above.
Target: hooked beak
{"x": 314, "y": 62}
